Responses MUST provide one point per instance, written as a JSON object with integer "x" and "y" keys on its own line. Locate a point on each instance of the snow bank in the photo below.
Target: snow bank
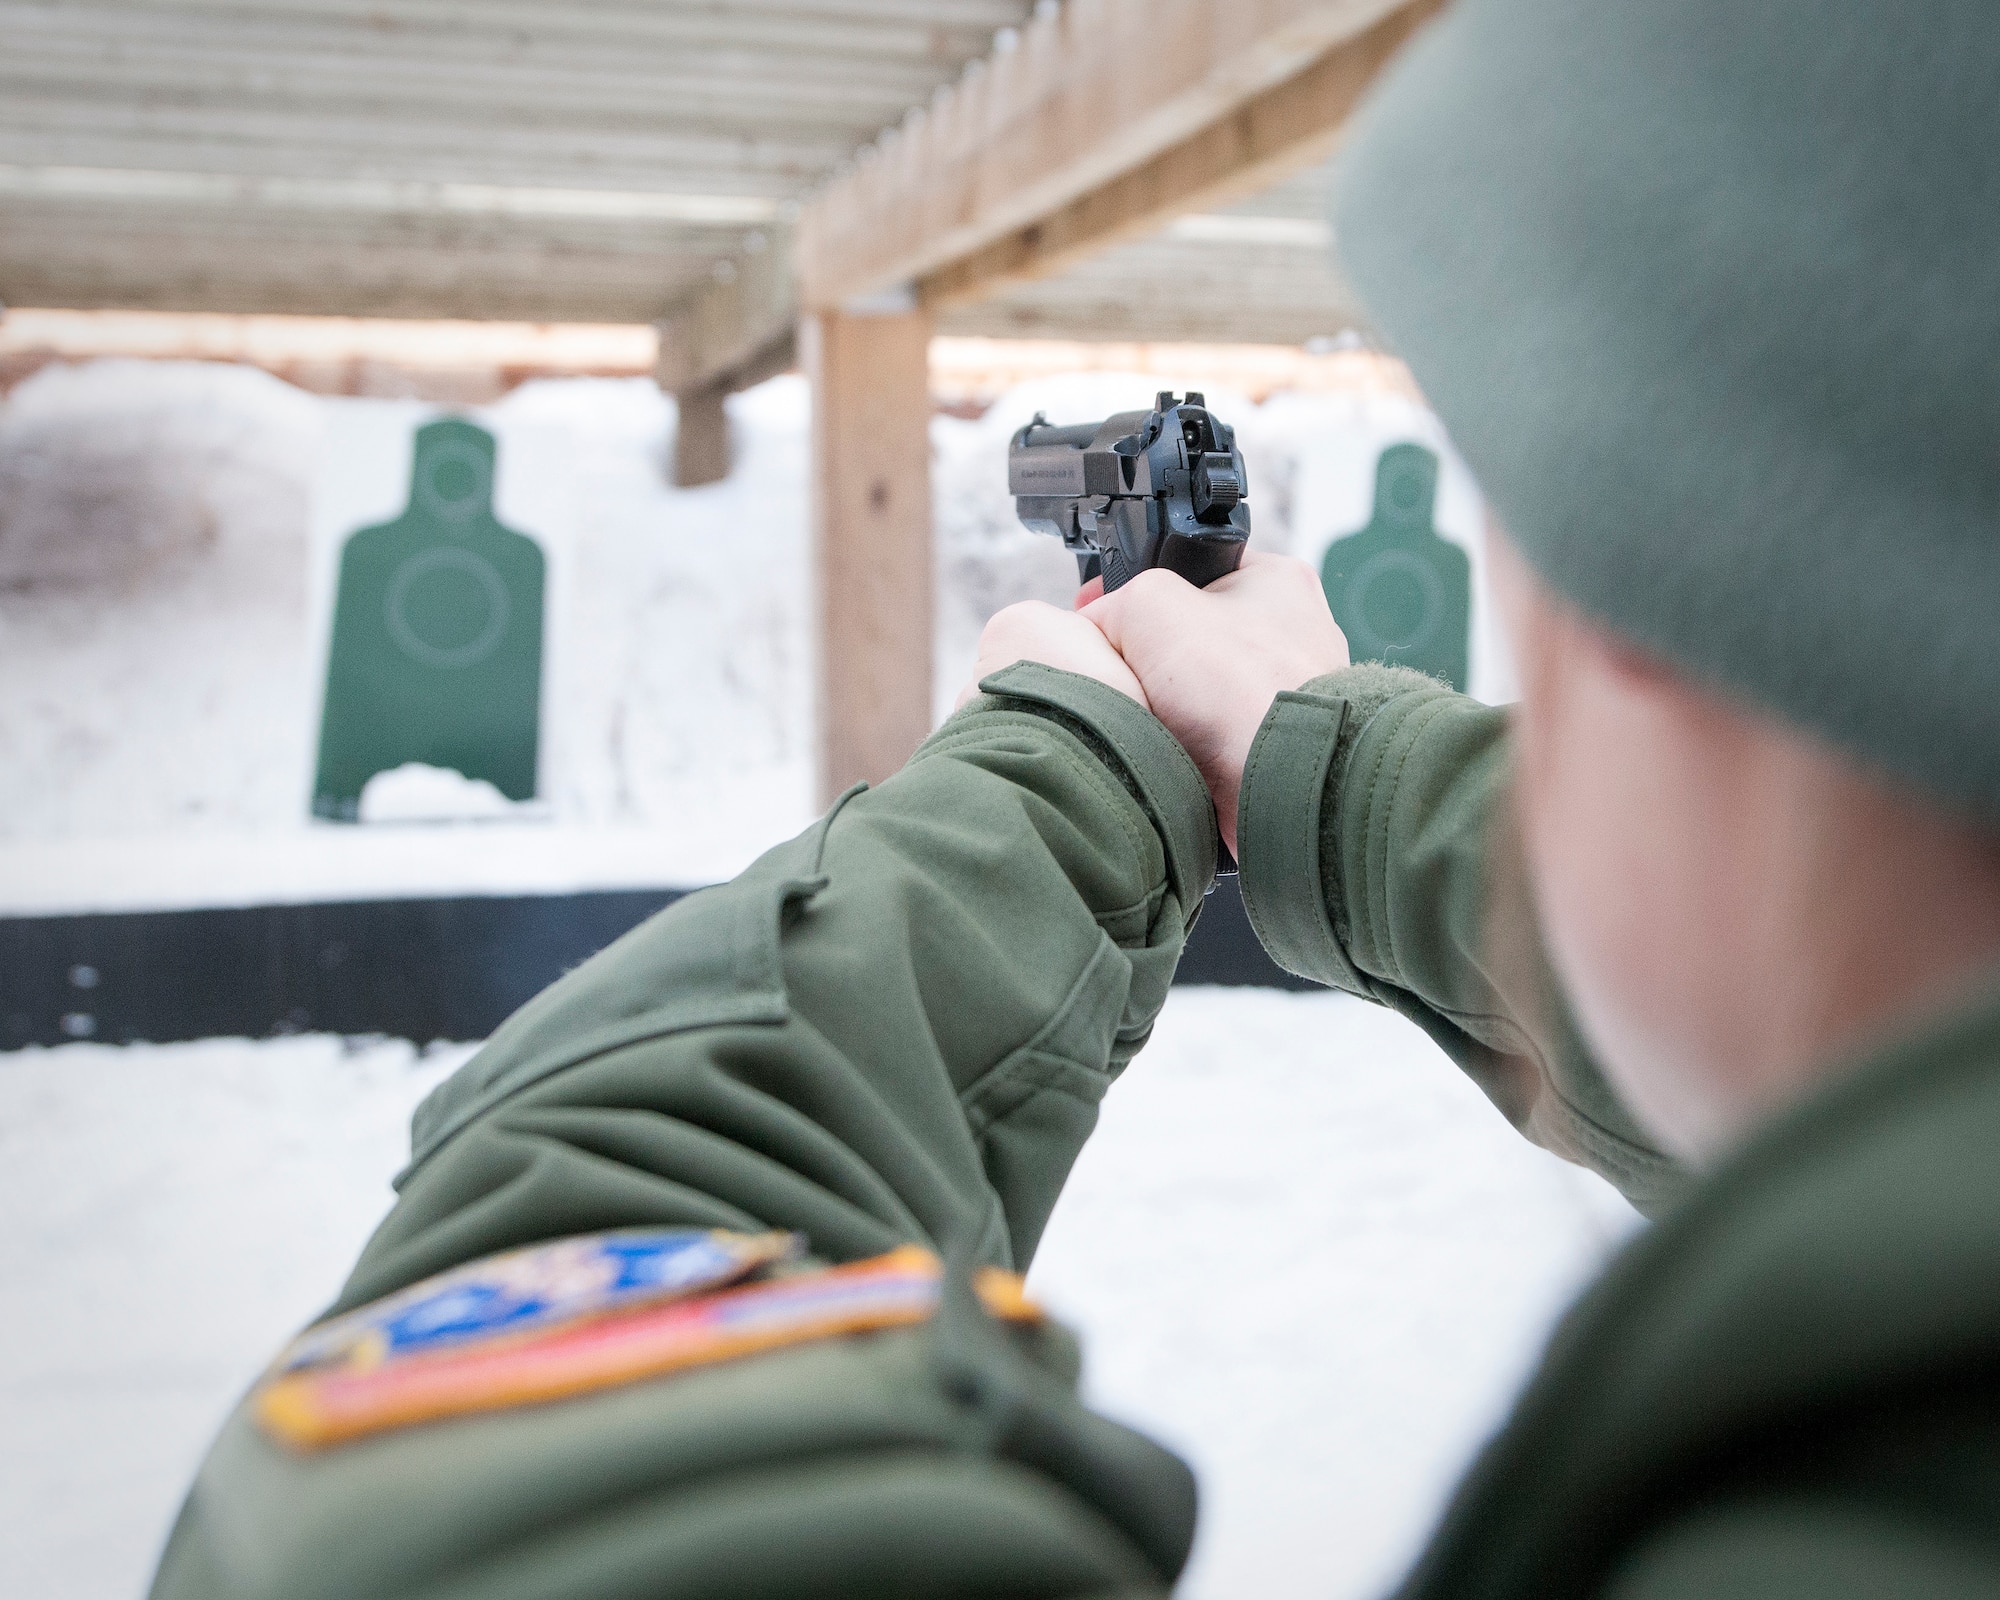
{"x": 139, "y": 691}
{"x": 112, "y": 470}
{"x": 141, "y": 721}
{"x": 417, "y": 792}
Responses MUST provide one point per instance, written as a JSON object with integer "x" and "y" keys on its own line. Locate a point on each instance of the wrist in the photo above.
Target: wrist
{"x": 1154, "y": 765}
{"x": 1222, "y": 770}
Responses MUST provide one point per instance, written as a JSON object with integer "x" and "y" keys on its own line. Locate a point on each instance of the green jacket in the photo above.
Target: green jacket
{"x": 897, "y": 1028}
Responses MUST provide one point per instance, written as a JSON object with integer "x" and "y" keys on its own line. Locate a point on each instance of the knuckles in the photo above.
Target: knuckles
{"x": 1155, "y": 586}
{"x": 1025, "y": 619}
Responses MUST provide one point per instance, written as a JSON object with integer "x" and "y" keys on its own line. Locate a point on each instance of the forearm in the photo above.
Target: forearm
{"x": 849, "y": 1041}
{"x": 1378, "y": 856}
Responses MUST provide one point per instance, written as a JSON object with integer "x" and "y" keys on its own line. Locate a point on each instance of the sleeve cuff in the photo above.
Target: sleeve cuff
{"x": 1291, "y": 785}
{"x": 1278, "y": 823}
{"x": 1159, "y": 771}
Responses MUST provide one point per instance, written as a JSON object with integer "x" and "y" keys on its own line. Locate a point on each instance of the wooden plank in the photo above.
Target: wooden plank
{"x": 250, "y": 51}
{"x": 463, "y": 144}
{"x": 872, "y": 540}
{"x": 49, "y": 257}
{"x": 911, "y": 29}
{"x": 1131, "y": 296}
{"x": 1281, "y": 131}
{"x": 1093, "y": 93}
{"x": 733, "y": 331}
{"x": 859, "y": 94}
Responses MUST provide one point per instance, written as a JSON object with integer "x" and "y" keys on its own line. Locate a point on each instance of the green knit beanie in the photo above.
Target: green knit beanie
{"x": 1708, "y": 293}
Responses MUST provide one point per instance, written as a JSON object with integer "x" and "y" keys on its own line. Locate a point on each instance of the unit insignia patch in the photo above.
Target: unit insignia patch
{"x": 540, "y": 1287}
{"x": 423, "y": 1355}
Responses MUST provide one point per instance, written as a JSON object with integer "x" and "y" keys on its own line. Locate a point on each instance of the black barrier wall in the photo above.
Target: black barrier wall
{"x": 411, "y": 969}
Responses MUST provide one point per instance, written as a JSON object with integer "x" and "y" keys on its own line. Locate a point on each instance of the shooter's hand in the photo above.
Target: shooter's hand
{"x": 1210, "y": 661}
{"x": 1032, "y": 631}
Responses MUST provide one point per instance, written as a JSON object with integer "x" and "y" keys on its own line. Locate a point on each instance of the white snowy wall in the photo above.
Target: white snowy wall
{"x": 151, "y": 679}
{"x": 172, "y": 530}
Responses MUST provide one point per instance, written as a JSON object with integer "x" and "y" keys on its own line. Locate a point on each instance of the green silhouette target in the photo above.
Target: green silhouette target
{"x": 437, "y": 635}
{"x": 1401, "y": 593}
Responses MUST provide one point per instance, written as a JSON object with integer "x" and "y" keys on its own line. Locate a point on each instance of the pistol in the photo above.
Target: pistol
{"x": 1159, "y": 488}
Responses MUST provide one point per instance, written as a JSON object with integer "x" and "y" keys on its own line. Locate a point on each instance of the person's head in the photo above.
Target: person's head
{"x": 1709, "y": 296}
{"x": 1734, "y": 906}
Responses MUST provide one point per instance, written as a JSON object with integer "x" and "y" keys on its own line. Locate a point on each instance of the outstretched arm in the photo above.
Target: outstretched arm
{"x": 895, "y": 1028}
{"x": 1379, "y": 856}
{"x": 1369, "y": 810}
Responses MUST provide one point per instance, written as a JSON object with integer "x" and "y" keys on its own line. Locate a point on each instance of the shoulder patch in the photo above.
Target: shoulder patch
{"x": 536, "y": 1288}
{"x": 309, "y": 1406}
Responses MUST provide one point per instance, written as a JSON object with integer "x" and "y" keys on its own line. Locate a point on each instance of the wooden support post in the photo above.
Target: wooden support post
{"x": 701, "y": 437}
{"x": 871, "y": 412}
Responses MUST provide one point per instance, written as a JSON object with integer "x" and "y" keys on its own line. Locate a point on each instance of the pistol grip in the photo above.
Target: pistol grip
{"x": 1201, "y": 560}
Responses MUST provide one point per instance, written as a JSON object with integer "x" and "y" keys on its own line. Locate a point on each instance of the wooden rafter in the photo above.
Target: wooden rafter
{"x": 1108, "y": 116}
{"x": 1287, "y": 127}
{"x": 1058, "y": 150}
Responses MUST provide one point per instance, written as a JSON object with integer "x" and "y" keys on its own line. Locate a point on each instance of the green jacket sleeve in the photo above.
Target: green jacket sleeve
{"x": 895, "y": 1028}
{"x": 1378, "y": 856}
{"x": 1799, "y": 1546}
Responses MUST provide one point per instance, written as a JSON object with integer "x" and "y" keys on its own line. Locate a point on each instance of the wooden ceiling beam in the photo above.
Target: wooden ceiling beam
{"x": 735, "y": 331}
{"x": 1039, "y": 163}
{"x": 1087, "y": 131}
{"x": 1270, "y": 137}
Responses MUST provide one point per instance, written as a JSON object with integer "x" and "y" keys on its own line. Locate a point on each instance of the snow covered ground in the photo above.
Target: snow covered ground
{"x": 1302, "y": 1248}
{"x": 1307, "y": 1253}
{"x": 171, "y": 1211}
